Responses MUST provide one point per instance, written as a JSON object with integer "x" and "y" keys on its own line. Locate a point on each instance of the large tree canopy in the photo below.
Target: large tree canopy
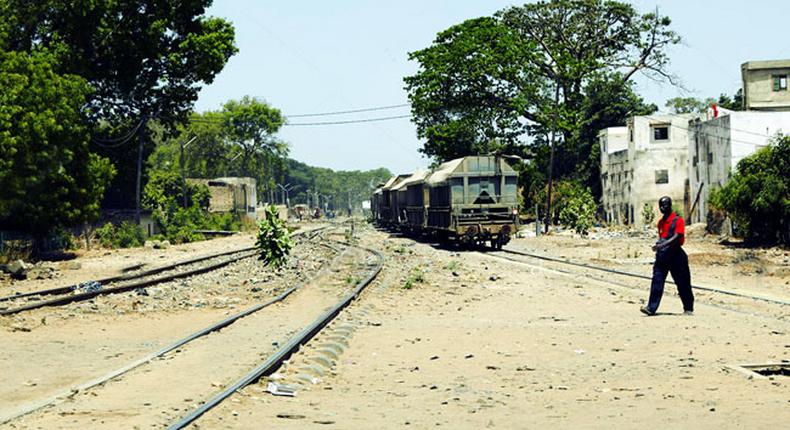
{"x": 241, "y": 139}
{"x": 143, "y": 59}
{"x": 48, "y": 177}
{"x": 488, "y": 84}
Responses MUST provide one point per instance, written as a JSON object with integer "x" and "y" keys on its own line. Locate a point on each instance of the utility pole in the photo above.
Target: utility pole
{"x": 141, "y": 138}
{"x": 551, "y": 156}
{"x": 286, "y": 189}
{"x": 349, "y": 203}
{"x": 184, "y": 171}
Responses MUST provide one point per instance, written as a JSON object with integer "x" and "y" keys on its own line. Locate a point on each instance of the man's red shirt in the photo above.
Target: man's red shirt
{"x": 665, "y": 223}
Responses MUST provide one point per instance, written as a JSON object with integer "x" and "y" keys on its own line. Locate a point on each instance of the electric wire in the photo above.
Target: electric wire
{"x": 302, "y": 115}
{"x": 120, "y": 141}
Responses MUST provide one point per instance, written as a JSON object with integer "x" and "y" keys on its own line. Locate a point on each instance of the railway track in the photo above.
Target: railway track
{"x": 17, "y": 303}
{"x": 517, "y": 256}
{"x": 168, "y": 363}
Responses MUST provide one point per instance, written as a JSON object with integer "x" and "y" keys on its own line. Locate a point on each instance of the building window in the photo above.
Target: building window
{"x": 710, "y": 158}
{"x": 630, "y": 134}
{"x": 780, "y": 82}
{"x": 662, "y": 176}
{"x": 660, "y": 132}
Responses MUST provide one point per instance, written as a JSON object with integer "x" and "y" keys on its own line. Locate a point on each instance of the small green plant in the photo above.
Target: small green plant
{"x": 648, "y": 214}
{"x": 416, "y": 276}
{"x": 274, "y": 240}
{"x": 453, "y": 265}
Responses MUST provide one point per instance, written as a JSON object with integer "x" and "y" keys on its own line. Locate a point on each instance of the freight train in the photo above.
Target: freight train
{"x": 471, "y": 200}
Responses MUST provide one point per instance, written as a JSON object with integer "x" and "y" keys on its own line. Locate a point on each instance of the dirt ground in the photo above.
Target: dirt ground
{"x": 467, "y": 340}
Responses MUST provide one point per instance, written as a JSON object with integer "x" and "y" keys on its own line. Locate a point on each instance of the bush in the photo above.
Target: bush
{"x": 164, "y": 194}
{"x": 648, "y": 214}
{"x": 571, "y": 205}
{"x": 125, "y": 235}
{"x": 578, "y": 210}
{"x": 757, "y": 197}
{"x": 274, "y": 239}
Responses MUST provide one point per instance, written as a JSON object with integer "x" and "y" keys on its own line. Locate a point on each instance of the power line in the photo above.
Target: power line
{"x": 352, "y": 121}
{"x": 120, "y": 141}
{"x": 347, "y": 111}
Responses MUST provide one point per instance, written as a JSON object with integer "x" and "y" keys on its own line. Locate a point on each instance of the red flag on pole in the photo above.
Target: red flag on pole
{"x": 715, "y": 110}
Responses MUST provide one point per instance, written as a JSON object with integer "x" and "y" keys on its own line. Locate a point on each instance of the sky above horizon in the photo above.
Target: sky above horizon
{"x": 322, "y": 57}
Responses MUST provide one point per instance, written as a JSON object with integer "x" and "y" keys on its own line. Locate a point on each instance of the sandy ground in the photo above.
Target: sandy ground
{"x": 531, "y": 349}
{"x": 466, "y": 340}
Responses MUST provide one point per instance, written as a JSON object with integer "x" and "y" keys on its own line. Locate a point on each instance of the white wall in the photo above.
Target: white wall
{"x": 719, "y": 144}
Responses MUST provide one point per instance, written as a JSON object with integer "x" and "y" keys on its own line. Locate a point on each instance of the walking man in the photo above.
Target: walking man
{"x": 671, "y": 258}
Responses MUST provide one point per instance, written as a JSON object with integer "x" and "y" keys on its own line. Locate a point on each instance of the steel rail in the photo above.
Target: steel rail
{"x": 274, "y": 361}
{"x": 637, "y": 275}
{"x": 36, "y": 405}
{"x": 247, "y": 252}
{"x": 124, "y": 288}
{"x": 126, "y": 277}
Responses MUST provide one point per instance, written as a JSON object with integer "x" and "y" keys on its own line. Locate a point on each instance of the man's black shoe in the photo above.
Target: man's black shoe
{"x": 645, "y": 311}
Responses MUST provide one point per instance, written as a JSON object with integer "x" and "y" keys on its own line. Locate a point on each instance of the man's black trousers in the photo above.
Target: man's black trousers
{"x": 674, "y": 261}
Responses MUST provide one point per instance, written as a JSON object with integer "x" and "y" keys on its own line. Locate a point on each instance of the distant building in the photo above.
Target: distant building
{"x": 765, "y": 85}
{"x": 229, "y": 194}
{"x": 615, "y": 168}
{"x": 654, "y": 164}
{"x": 718, "y": 144}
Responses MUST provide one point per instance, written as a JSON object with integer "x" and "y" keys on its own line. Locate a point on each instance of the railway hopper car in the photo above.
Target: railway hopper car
{"x": 473, "y": 200}
{"x": 385, "y": 215}
{"x": 416, "y": 195}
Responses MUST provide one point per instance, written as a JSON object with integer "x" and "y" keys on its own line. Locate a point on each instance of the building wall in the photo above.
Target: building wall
{"x": 227, "y": 194}
{"x": 717, "y": 145}
{"x": 615, "y": 168}
{"x": 759, "y": 92}
{"x": 657, "y": 151}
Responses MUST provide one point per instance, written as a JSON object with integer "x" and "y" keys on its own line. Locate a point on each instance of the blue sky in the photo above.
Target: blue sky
{"x": 308, "y": 57}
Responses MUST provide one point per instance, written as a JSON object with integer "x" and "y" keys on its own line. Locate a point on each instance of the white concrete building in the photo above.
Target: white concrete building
{"x": 654, "y": 164}
{"x": 615, "y": 166}
{"x": 717, "y": 145}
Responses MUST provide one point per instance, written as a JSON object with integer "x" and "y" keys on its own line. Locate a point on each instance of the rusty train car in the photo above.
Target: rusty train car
{"x": 472, "y": 200}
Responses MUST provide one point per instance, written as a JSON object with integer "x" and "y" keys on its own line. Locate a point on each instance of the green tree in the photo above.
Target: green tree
{"x": 757, "y": 197}
{"x": 732, "y": 103}
{"x": 143, "y": 59}
{"x": 252, "y": 125}
{"x": 48, "y": 177}
{"x": 488, "y": 84}
{"x": 686, "y": 105}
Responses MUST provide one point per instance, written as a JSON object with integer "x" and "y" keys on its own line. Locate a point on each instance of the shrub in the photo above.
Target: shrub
{"x": 571, "y": 199}
{"x": 125, "y": 235}
{"x": 578, "y": 211}
{"x": 757, "y": 197}
{"x": 274, "y": 239}
{"x": 648, "y": 214}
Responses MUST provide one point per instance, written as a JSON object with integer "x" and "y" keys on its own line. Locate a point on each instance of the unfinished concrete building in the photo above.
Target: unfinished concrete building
{"x": 654, "y": 164}
{"x": 765, "y": 85}
{"x": 718, "y": 144}
{"x": 615, "y": 166}
{"x": 229, "y": 194}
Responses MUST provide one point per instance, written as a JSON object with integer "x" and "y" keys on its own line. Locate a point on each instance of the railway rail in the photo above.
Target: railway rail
{"x": 129, "y": 282}
{"x": 503, "y": 255}
{"x": 273, "y": 362}
{"x": 372, "y": 266}
{"x": 636, "y": 275}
